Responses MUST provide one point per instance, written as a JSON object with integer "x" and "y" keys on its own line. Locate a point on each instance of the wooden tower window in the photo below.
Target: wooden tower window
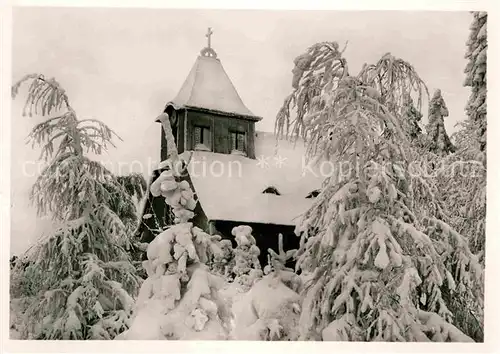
{"x": 238, "y": 142}
{"x": 202, "y": 138}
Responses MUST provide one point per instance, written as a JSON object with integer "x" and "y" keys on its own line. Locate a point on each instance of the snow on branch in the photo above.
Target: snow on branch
{"x": 316, "y": 72}
{"x": 44, "y": 95}
{"x": 64, "y": 132}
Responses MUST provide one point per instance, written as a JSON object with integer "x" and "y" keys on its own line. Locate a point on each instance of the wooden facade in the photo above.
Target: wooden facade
{"x": 183, "y": 122}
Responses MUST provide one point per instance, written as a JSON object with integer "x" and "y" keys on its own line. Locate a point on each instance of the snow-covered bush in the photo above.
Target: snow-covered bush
{"x": 247, "y": 267}
{"x": 223, "y": 263}
{"x": 270, "y": 310}
{"x": 371, "y": 257}
{"x": 180, "y": 298}
{"x": 84, "y": 280}
{"x": 277, "y": 266}
{"x": 22, "y": 284}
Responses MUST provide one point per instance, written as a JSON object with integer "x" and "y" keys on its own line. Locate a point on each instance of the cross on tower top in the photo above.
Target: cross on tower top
{"x": 209, "y": 36}
{"x": 208, "y": 51}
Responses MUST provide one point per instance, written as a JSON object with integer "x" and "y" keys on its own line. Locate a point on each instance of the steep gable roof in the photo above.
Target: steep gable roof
{"x": 208, "y": 87}
{"x": 229, "y": 187}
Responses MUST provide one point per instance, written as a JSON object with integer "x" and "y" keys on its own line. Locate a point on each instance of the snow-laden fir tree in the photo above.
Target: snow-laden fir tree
{"x": 179, "y": 299}
{"x": 246, "y": 256}
{"x": 462, "y": 181}
{"x": 475, "y": 74}
{"x": 276, "y": 265}
{"x": 84, "y": 280}
{"x": 461, "y": 186}
{"x": 438, "y": 140}
{"x": 378, "y": 260}
{"x": 411, "y": 119}
{"x": 135, "y": 185}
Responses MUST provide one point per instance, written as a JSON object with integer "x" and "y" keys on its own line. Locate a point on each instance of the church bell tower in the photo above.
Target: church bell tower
{"x": 208, "y": 114}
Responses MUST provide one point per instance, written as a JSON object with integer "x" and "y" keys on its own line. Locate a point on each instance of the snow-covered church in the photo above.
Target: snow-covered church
{"x": 240, "y": 176}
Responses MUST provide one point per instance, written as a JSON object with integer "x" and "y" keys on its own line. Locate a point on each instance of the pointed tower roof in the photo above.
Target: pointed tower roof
{"x": 208, "y": 87}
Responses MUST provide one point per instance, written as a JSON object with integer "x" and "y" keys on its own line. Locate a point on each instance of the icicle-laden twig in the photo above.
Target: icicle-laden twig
{"x": 63, "y": 132}
{"x": 48, "y": 133}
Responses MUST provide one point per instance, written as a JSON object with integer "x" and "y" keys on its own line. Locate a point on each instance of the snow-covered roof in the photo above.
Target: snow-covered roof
{"x": 229, "y": 187}
{"x": 208, "y": 87}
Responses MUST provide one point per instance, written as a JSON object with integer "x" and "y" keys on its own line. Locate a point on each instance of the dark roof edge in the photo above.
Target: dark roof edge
{"x": 229, "y": 114}
{"x": 253, "y": 222}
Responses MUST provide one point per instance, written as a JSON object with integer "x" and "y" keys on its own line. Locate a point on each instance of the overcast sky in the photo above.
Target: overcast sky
{"x": 122, "y": 65}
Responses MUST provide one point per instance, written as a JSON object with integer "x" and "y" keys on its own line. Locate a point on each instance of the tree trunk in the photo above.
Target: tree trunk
{"x": 172, "y": 152}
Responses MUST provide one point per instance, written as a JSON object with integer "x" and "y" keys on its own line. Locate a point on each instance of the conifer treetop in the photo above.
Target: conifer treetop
{"x": 46, "y": 97}
{"x": 439, "y": 141}
{"x": 475, "y": 75}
